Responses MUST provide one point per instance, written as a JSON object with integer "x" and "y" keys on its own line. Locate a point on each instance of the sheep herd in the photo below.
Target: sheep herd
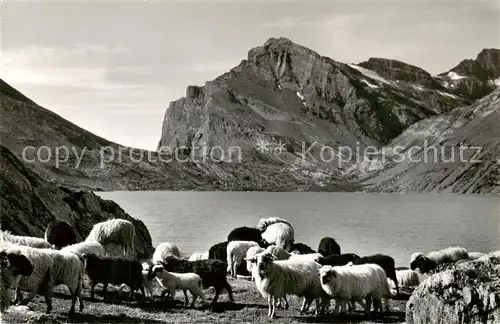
{"x": 267, "y": 254}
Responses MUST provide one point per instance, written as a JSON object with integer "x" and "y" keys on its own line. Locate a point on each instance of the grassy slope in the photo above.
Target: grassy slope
{"x": 249, "y": 307}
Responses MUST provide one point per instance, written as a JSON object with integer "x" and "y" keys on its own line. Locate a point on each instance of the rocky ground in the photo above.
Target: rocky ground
{"x": 249, "y": 307}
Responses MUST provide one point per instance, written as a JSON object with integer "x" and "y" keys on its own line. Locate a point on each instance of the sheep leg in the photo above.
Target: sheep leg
{"x": 186, "y": 297}
{"x": 48, "y": 301}
{"x": 141, "y": 288}
{"x": 194, "y": 299}
{"x": 317, "y": 311}
{"x": 286, "y": 302}
{"x": 272, "y": 307}
{"x": 131, "y": 296}
{"x": 305, "y": 306}
{"x": 364, "y": 305}
{"x": 92, "y": 286}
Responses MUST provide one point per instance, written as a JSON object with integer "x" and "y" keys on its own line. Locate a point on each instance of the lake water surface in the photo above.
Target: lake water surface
{"x": 397, "y": 225}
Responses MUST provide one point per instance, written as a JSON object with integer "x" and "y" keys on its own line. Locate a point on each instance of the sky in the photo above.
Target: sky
{"x": 114, "y": 67}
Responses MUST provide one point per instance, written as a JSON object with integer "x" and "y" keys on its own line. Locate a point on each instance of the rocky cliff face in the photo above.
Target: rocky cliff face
{"x": 286, "y": 93}
{"x": 28, "y": 204}
{"x": 457, "y": 152}
{"x": 475, "y": 78}
{"x": 466, "y": 292}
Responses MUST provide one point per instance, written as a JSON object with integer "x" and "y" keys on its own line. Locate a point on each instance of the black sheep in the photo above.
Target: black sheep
{"x": 338, "y": 259}
{"x": 385, "y": 262}
{"x": 302, "y": 248}
{"x": 212, "y": 273}
{"x": 245, "y": 234}
{"x": 328, "y": 246}
{"x": 60, "y": 234}
{"x": 113, "y": 270}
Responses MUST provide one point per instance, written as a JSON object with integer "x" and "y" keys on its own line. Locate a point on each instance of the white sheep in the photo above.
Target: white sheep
{"x": 236, "y": 252}
{"x": 50, "y": 268}
{"x": 251, "y": 253}
{"x": 309, "y": 256}
{"x": 85, "y": 247}
{"x": 113, "y": 232}
{"x": 429, "y": 262}
{"x": 278, "y": 253}
{"x": 277, "y": 231}
{"x": 475, "y": 255}
{"x": 406, "y": 278}
{"x": 13, "y": 265}
{"x": 199, "y": 256}
{"x": 35, "y": 242}
{"x": 355, "y": 283}
{"x": 276, "y": 279}
{"x": 180, "y": 281}
{"x": 164, "y": 251}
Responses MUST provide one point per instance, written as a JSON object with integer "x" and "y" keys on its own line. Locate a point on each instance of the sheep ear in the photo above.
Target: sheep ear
{"x": 333, "y": 273}
{"x": 252, "y": 260}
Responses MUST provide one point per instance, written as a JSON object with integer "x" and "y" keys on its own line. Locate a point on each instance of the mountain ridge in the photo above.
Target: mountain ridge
{"x": 282, "y": 95}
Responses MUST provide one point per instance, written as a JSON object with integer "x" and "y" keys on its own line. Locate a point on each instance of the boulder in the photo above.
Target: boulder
{"x": 464, "y": 292}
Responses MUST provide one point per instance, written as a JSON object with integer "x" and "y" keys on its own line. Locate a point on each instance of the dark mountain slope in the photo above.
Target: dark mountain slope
{"x": 28, "y": 204}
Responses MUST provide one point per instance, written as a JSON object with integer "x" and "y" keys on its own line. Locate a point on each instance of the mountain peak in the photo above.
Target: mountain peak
{"x": 398, "y": 70}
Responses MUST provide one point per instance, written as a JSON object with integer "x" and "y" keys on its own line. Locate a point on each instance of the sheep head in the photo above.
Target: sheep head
{"x": 17, "y": 263}
{"x": 417, "y": 260}
{"x": 155, "y": 271}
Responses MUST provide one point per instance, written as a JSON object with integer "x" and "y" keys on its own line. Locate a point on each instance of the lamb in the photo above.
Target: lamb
{"x": 198, "y": 256}
{"x": 328, "y": 246}
{"x": 13, "y": 265}
{"x": 277, "y": 231}
{"x": 60, "y": 234}
{"x": 301, "y": 248}
{"x": 85, "y": 248}
{"x": 276, "y": 279}
{"x": 114, "y": 231}
{"x": 212, "y": 273}
{"x": 355, "y": 283}
{"x": 50, "y": 268}
{"x": 172, "y": 281}
{"x": 236, "y": 251}
{"x": 337, "y": 259}
{"x": 429, "y": 262}
{"x": 386, "y": 262}
{"x": 164, "y": 251}
{"x": 246, "y": 234}
{"x": 113, "y": 270}
{"x": 35, "y": 242}
{"x": 475, "y": 255}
